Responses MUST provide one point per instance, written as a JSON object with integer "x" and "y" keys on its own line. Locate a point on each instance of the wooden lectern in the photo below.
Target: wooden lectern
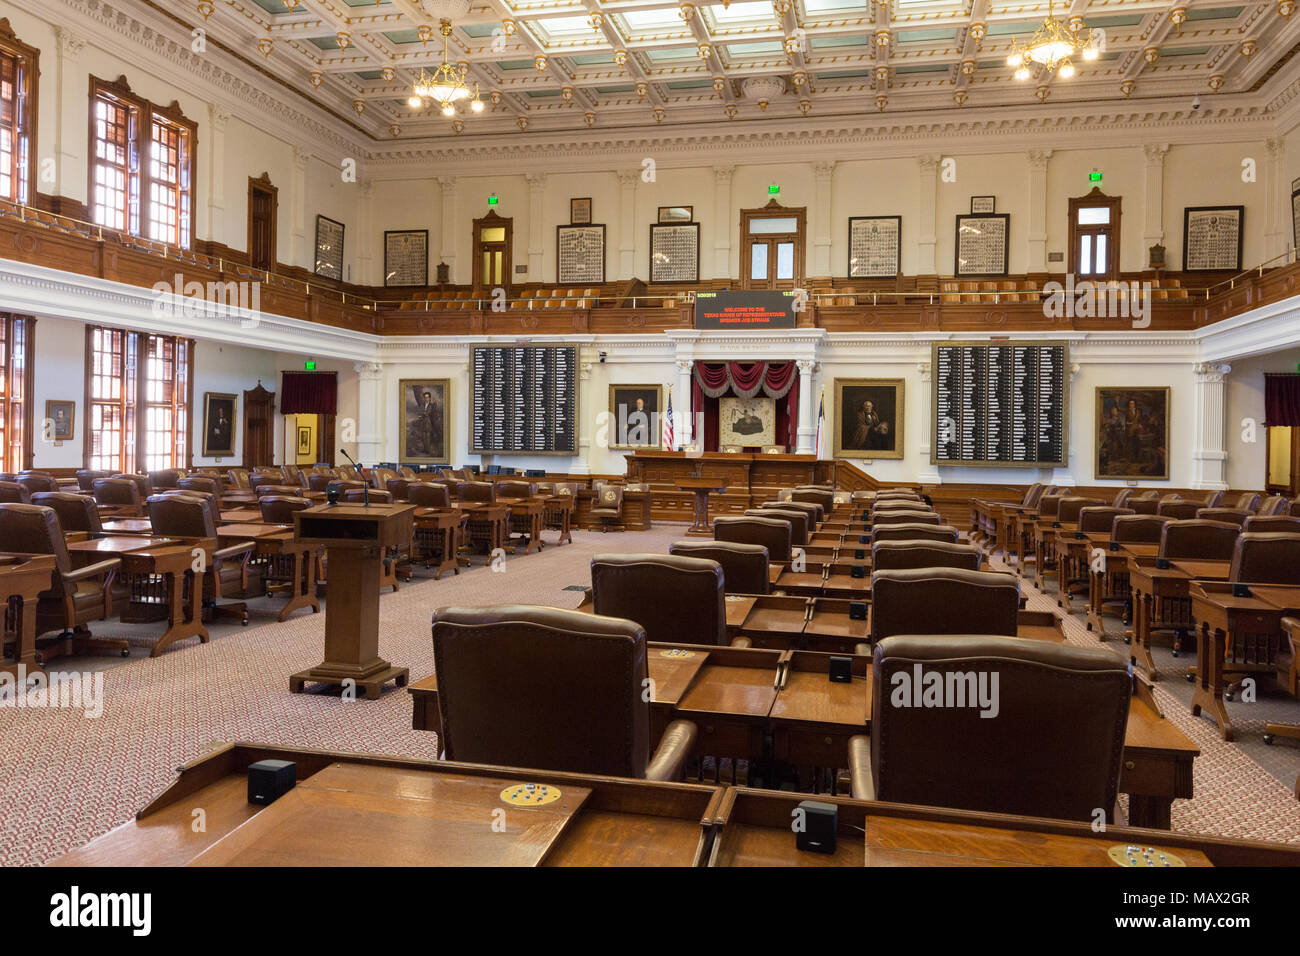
{"x": 355, "y": 537}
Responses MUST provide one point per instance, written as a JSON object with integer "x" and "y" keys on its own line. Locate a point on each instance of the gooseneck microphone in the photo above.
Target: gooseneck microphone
{"x": 365, "y": 486}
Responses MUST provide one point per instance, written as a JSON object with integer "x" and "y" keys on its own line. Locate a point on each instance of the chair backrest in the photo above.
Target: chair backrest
{"x": 1068, "y": 512}
{"x": 1100, "y": 517}
{"x": 373, "y": 495}
{"x": 407, "y": 472}
{"x": 76, "y": 512}
{"x": 1146, "y": 504}
{"x": 207, "y": 483}
{"x": 1198, "y": 538}
{"x": 813, "y": 510}
{"x": 1054, "y": 748}
{"x": 879, "y": 517}
{"x": 86, "y": 477}
{"x": 799, "y": 523}
{"x": 164, "y": 478}
{"x": 1138, "y": 529}
{"x": 913, "y": 531}
{"x": 379, "y": 477}
{"x": 141, "y": 483}
{"x": 1121, "y": 498}
{"x": 292, "y": 474}
{"x": 182, "y": 516}
{"x": 744, "y": 566}
{"x": 1212, "y": 499}
{"x": 259, "y": 478}
{"x": 1049, "y": 504}
{"x": 37, "y": 481}
{"x": 817, "y": 496}
{"x": 943, "y": 601}
{"x": 1179, "y": 510}
{"x": 33, "y": 529}
{"x": 1032, "y": 494}
{"x": 608, "y": 499}
{"x": 1273, "y": 505}
{"x": 1283, "y": 523}
{"x": 117, "y": 491}
{"x": 516, "y": 489}
{"x": 900, "y": 504}
{"x": 775, "y": 534}
{"x": 319, "y": 482}
{"x": 542, "y": 687}
{"x": 675, "y": 599}
{"x": 12, "y": 491}
{"x": 1246, "y": 501}
{"x": 428, "y": 494}
{"x": 1235, "y": 516}
{"x": 1266, "y": 557}
{"x": 279, "y": 509}
{"x": 919, "y": 553}
{"x": 889, "y": 495}
{"x": 476, "y": 491}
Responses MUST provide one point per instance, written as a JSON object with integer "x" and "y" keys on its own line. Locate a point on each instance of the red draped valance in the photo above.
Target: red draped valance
{"x": 745, "y": 379}
{"x": 309, "y": 393}
{"x": 1281, "y": 399}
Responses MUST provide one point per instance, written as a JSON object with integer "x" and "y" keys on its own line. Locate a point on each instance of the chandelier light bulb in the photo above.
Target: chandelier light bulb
{"x": 1022, "y": 74}
{"x": 448, "y": 109}
{"x": 1015, "y": 59}
{"x": 1066, "y": 71}
{"x": 477, "y": 106}
{"x": 415, "y": 102}
{"x": 1091, "y": 53}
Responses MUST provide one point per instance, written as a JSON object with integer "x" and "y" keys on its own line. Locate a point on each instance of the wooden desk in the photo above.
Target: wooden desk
{"x": 1110, "y": 584}
{"x": 173, "y": 568}
{"x": 242, "y": 515}
{"x": 526, "y": 515}
{"x": 1161, "y": 601}
{"x": 128, "y": 526}
{"x": 701, "y": 487}
{"x": 436, "y": 537}
{"x": 559, "y": 516}
{"x": 291, "y": 563}
{"x": 22, "y": 579}
{"x": 97, "y": 549}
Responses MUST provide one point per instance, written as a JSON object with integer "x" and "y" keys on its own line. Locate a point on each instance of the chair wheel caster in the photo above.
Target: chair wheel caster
{"x": 126, "y": 653}
{"x": 1128, "y": 640}
{"x": 1190, "y": 678}
{"x": 1268, "y": 739}
{"x": 244, "y": 623}
{"x": 1175, "y": 652}
{"x": 1228, "y": 695}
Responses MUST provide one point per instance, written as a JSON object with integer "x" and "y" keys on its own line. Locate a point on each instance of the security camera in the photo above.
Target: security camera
{"x": 602, "y": 357}
{"x": 1196, "y": 102}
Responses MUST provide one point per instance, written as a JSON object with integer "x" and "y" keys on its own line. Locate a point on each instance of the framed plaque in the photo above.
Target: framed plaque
{"x": 868, "y": 418}
{"x": 580, "y": 255}
{"x": 406, "y": 257}
{"x": 676, "y": 213}
{"x": 675, "y": 252}
{"x": 874, "y": 246}
{"x": 746, "y": 422}
{"x": 1212, "y": 238}
{"x": 329, "y": 248}
{"x": 983, "y": 205}
{"x": 580, "y": 212}
{"x": 980, "y": 248}
{"x": 1295, "y": 213}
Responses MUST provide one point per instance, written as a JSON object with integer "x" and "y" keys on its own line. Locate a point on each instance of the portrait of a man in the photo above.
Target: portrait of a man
{"x": 1132, "y": 437}
{"x": 424, "y": 420}
{"x": 634, "y": 416}
{"x": 60, "y": 416}
{"x": 869, "y": 418}
{"x": 218, "y": 425}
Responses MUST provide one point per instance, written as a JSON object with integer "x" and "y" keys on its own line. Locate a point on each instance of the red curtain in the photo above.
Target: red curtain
{"x": 1281, "y": 399}
{"x": 309, "y": 393}
{"x": 778, "y": 380}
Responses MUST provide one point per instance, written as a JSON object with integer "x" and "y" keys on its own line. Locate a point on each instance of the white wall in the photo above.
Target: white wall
{"x": 1247, "y": 461}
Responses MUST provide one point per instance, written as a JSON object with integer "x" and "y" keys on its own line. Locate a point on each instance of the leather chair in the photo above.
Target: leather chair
{"x": 1213, "y": 499}
{"x": 799, "y": 526}
{"x": 901, "y": 504}
{"x": 75, "y": 596}
{"x": 818, "y": 496}
{"x": 76, "y": 512}
{"x": 516, "y": 489}
{"x": 913, "y": 531}
{"x": 164, "y": 479}
{"x": 379, "y": 477}
{"x": 906, "y": 555}
{"x": 775, "y": 534}
{"x": 292, "y": 475}
{"x": 204, "y": 483}
{"x": 943, "y": 601}
{"x": 121, "y": 493}
{"x": 1068, "y": 511}
{"x": 1198, "y": 538}
{"x": 86, "y": 477}
{"x": 374, "y": 495}
{"x": 292, "y": 491}
{"x": 814, "y": 511}
{"x": 279, "y": 509}
{"x": 1178, "y": 510}
{"x": 676, "y": 600}
{"x": 1138, "y": 529}
{"x": 1147, "y": 503}
{"x": 258, "y": 478}
{"x": 184, "y": 515}
{"x": 1273, "y": 505}
{"x": 1049, "y": 505}
{"x": 238, "y": 478}
{"x": 346, "y": 472}
{"x": 141, "y": 483}
{"x": 894, "y": 493}
{"x": 1097, "y": 518}
{"x": 399, "y": 488}
{"x": 1283, "y": 523}
{"x": 744, "y": 566}
{"x": 15, "y": 493}
{"x": 1121, "y": 498}
{"x": 407, "y": 472}
{"x": 904, "y": 517}
{"x": 551, "y": 689}
{"x": 1266, "y": 557}
{"x": 35, "y": 481}
{"x": 1054, "y": 750}
{"x": 607, "y": 506}
{"x": 428, "y": 494}
{"x": 476, "y": 491}
{"x": 1246, "y": 501}
{"x": 319, "y": 482}
{"x": 1235, "y": 516}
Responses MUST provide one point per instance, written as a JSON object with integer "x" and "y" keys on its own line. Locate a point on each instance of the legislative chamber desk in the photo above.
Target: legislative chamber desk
{"x": 1162, "y": 599}
{"x": 22, "y": 579}
{"x": 355, "y": 810}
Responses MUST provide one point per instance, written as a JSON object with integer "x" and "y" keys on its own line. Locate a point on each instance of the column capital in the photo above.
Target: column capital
{"x": 1211, "y": 372}
{"x": 1155, "y": 153}
{"x": 1276, "y": 147}
{"x": 628, "y": 177}
{"x": 685, "y": 365}
{"x": 218, "y": 117}
{"x": 929, "y": 164}
{"x": 824, "y": 170}
{"x": 70, "y": 44}
{"x": 806, "y": 366}
{"x": 448, "y": 185}
{"x": 924, "y": 369}
{"x": 1039, "y": 158}
{"x": 368, "y": 371}
{"x": 722, "y": 175}
{"x": 536, "y": 181}
{"x": 301, "y": 157}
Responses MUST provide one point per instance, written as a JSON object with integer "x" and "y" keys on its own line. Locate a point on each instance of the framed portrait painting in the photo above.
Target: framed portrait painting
{"x": 219, "y": 425}
{"x": 868, "y": 417}
{"x": 423, "y": 408}
{"x": 746, "y": 422}
{"x": 634, "y": 412}
{"x": 60, "y": 418}
{"x": 1132, "y": 433}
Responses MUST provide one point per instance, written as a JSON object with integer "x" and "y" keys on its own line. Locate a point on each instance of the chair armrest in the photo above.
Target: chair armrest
{"x": 93, "y": 570}
{"x": 234, "y": 551}
{"x": 669, "y": 759}
{"x": 863, "y": 787}
{"x": 741, "y": 641}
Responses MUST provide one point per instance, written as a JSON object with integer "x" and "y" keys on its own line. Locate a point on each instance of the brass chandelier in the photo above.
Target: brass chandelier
{"x": 1051, "y": 48}
{"x": 445, "y": 86}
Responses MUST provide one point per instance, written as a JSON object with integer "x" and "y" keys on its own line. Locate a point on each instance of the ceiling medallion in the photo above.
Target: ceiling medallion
{"x": 424, "y": 32}
{"x": 642, "y": 88}
{"x": 782, "y": 7}
{"x": 804, "y": 106}
{"x": 445, "y": 9}
{"x": 1051, "y": 48}
{"x": 394, "y": 130}
{"x": 206, "y": 8}
{"x": 763, "y": 89}
{"x": 589, "y": 118}
{"x": 1248, "y": 48}
{"x": 730, "y": 110}
{"x": 1126, "y": 87}
{"x": 359, "y": 106}
{"x": 686, "y": 11}
{"x": 387, "y": 73}
{"x": 1178, "y": 16}
{"x": 445, "y": 85}
{"x": 978, "y": 31}
{"x": 1286, "y": 8}
{"x": 1216, "y": 82}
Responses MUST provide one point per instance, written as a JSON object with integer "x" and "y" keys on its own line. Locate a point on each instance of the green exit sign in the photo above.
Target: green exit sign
{"x": 309, "y": 365}
{"x": 1094, "y": 177}
{"x": 774, "y": 189}
{"x": 493, "y": 200}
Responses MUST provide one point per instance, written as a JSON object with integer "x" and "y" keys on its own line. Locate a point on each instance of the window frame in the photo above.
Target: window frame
{"x": 1111, "y": 230}
{"x": 25, "y": 426}
{"x": 26, "y": 111}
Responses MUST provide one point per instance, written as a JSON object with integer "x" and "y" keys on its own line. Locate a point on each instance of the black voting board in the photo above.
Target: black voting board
{"x": 524, "y": 398}
{"x": 1002, "y": 403}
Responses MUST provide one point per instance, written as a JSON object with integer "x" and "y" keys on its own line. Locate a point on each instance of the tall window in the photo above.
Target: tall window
{"x": 142, "y": 165}
{"x": 15, "y": 389}
{"x": 19, "y": 67}
{"x": 1094, "y": 235}
{"x": 138, "y": 400}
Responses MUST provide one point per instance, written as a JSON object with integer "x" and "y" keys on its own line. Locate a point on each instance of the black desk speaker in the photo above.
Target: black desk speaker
{"x": 268, "y": 780}
{"x": 819, "y": 821}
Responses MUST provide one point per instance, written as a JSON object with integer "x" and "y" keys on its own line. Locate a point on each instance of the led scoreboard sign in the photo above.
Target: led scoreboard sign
{"x": 746, "y": 309}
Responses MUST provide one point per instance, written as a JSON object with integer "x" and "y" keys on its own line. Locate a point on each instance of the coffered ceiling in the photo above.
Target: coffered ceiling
{"x": 557, "y": 65}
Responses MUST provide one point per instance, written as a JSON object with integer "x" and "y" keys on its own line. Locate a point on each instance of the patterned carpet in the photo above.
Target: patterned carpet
{"x": 66, "y": 778}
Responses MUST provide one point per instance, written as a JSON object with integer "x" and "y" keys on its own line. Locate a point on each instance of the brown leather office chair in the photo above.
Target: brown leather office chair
{"x": 141, "y": 483}
{"x": 86, "y": 477}
{"x": 1069, "y": 508}
{"x": 1178, "y": 510}
{"x": 1147, "y": 503}
{"x": 319, "y": 482}
{"x": 238, "y": 478}
{"x": 744, "y": 566}
{"x": 1097, "y": 518}
{"x": 258, "y": 478}
{"x": 407, "y": 472}
{"x": 399, "y": 488}
{"x": 943, "y": 601}
{"x": 818, "y": 496}
{"x": 1266, "y": 557}
{"x": 799, "y": 527}
{"x": 164, "y": 479}
{"x": 908, "y": 554}
{"x": 892, "y": 493}
{"x": 1053, "y": 750}
{"x": 13, "y": 492}
{"x": 677, "y": 600}
{"x": 1235, "y": 516}
{"x": 1282, "y": 523}
{"x": 1121, "y": 498}
{"x": 374, "y": 495}
{"x": 607, "y": 506}
{"x": 1246, "y": 501}
{"x": 1273, "y": 505}
{"x": 379, "y": 477}
{"x": 1213, "y": 499}
{"x": 900, "y": 504}
{"x": 292, "y": 491}
{"x": 279, "y": 509}
{"x": 428, "y": 494}
{"x": 292, "y": 475}
{"x": 1138, "y": 529}
{"x": 913, "y": 531}
{"x": 120, "y": 493}
{"x": 76, "y": 596}
{"x": 545, "y": 688}
{"x": 37, "y": 481}
{"x": 184, "y": 515}
{"x": 476, "y": 491}
{"x": 516, "y": 489}
{"x": 1197, "y": 538}
{"x": 76, "y": 512}
{"x": 813, "y": 510}
{"x": 879, "y": 517}
{"x": 205, "y": 483}
{"x": 772, "y": 533}
{"x": 1049, "y": 505}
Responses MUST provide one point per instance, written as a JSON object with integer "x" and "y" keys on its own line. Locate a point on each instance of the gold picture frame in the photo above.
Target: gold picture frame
{"x": 62, "y": 418}
{"x": 219, "y": 414}
{"x": 1131, "y": 433}
{"x": 869, "y": 432}
{"x": 622, "y": 408}
{"x": 425, "y": 437}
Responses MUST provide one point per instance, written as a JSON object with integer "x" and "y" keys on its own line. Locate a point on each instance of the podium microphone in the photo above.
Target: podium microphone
{"x": 365, "y": 487}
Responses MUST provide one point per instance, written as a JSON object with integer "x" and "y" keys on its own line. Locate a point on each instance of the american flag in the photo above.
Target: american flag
{"x": 668, "y": 423}
{"x": 820, "y": 447}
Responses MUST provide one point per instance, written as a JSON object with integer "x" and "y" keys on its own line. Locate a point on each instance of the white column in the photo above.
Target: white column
{"x": 1209, "y": 448}
{"x": 929, "y": 474}
{"x": 926, "y": 239}
{"x": 807, "y": 427}
{"x": 1037, "y": 259}
{"x": 370, "y": 412}
{"x": 302, "y": 252}
{"x": 823, "y": 174}
{"x": 683, "y": 424}
{"x": 218, "y": 118}
{"x": 536, "y": 220}
{"x": 582, "y": 464}
{"x": 1278, "y": 199}
{"x": 627, "y": 180}
{"x": 70, "y": 129}
{"x": 1153, "y": 198}
{"x": 447, "y": 187}
{"x": 722, "y": 223}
